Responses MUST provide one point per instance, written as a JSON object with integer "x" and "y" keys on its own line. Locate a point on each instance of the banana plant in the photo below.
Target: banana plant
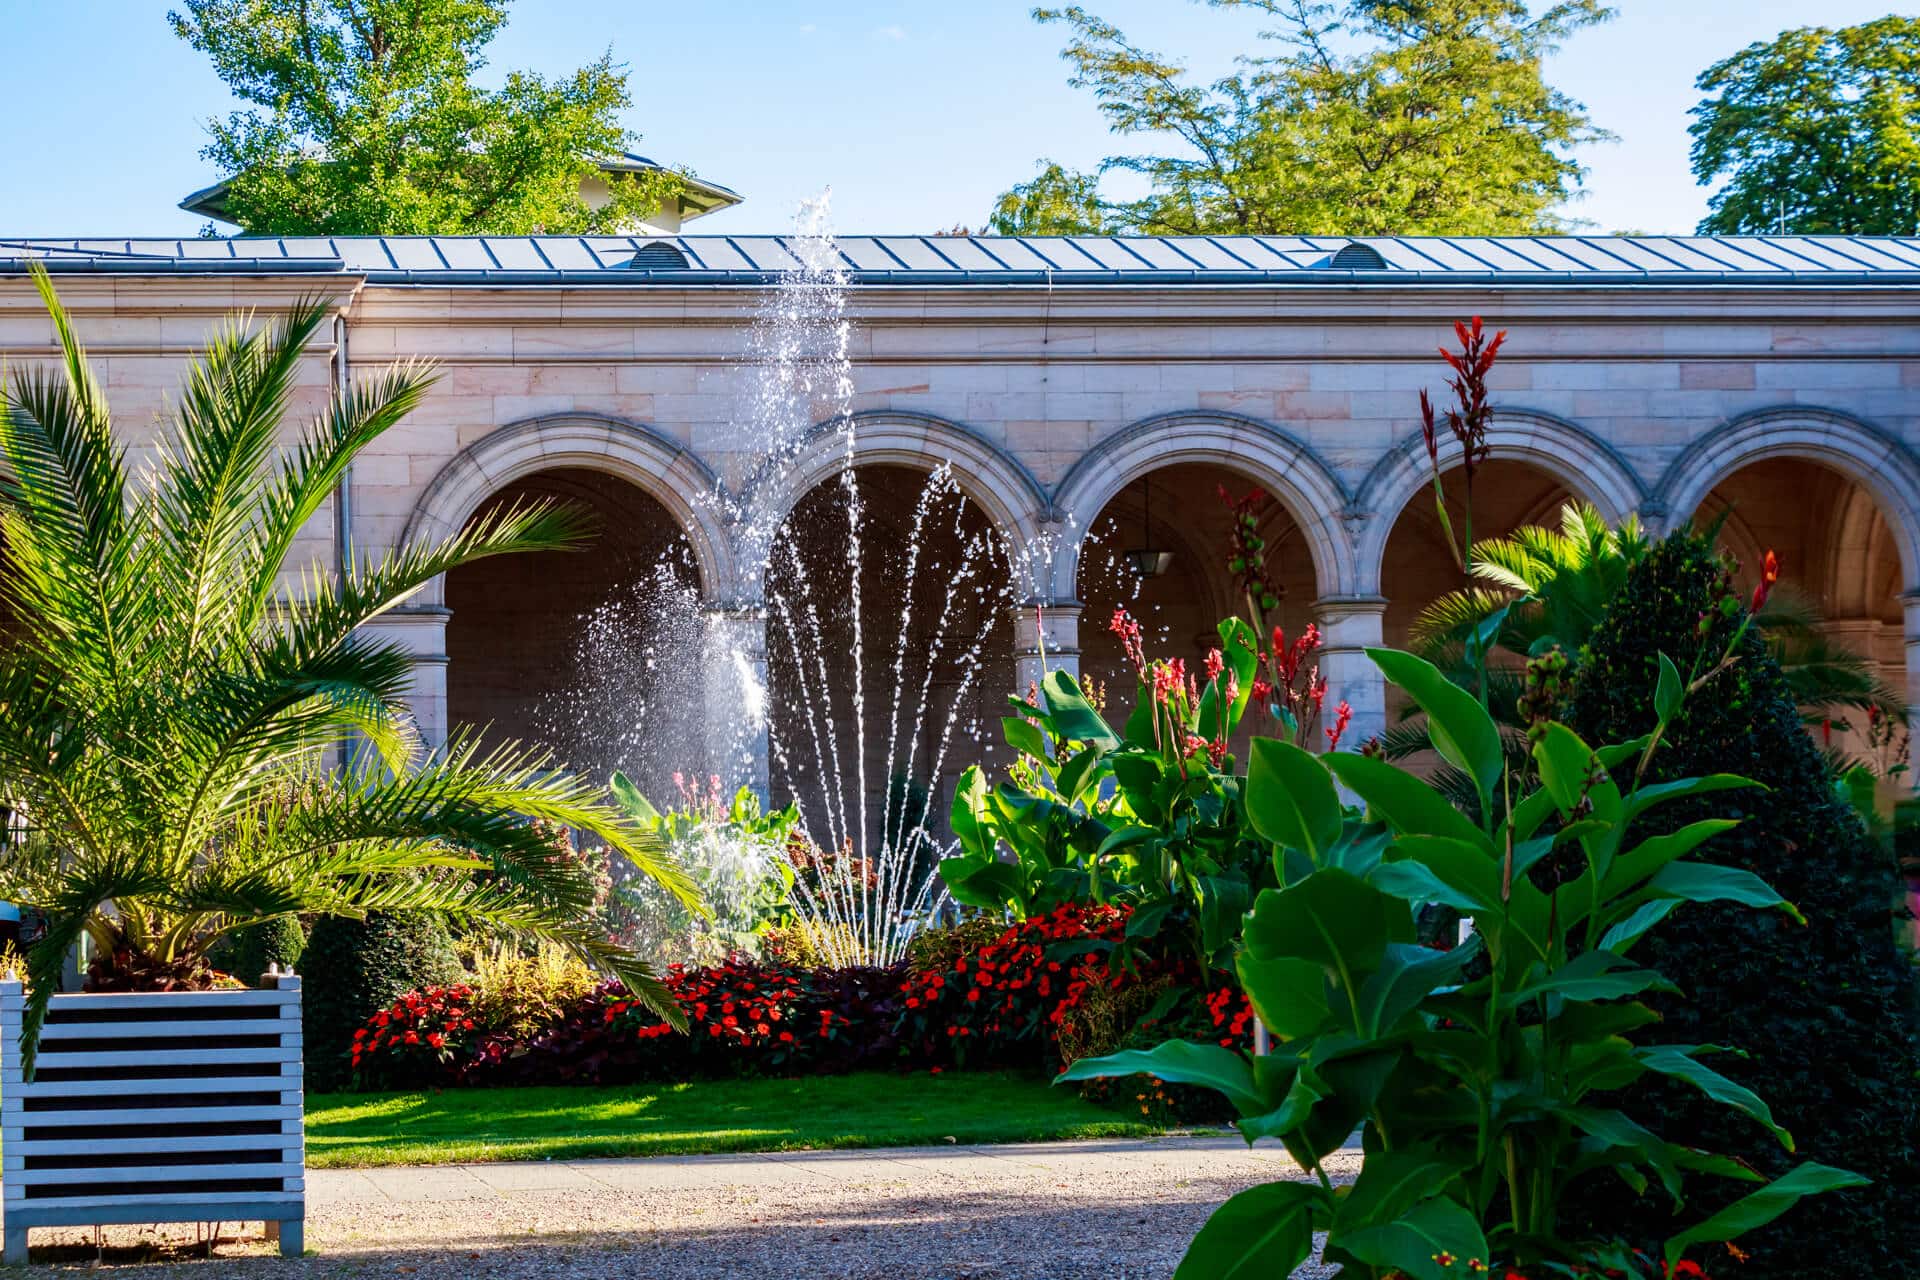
{"x": 1481, "y": 1078}
{"x": 1150, "y": 816}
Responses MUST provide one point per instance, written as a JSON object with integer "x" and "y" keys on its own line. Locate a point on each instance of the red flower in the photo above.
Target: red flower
{"x": 1769, "y": 574}
{"x": 1342, "y": 717}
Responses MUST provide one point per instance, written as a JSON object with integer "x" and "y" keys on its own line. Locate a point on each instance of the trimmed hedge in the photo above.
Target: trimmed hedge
{"x": 356, "y": 967}
{"x": 247, "y": 953}
{"x": 1820, "y": 1010}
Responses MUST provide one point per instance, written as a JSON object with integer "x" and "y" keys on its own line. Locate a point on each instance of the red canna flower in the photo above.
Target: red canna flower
{"x": 1342, "y": 717}
{"x": 1769, "y": 574}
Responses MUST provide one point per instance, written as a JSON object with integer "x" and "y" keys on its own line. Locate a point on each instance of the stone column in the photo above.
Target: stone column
{"x": 421, "y": 630}
{"x": 1910, "y": 602}
{"x": 737, "y": 706}
{"x": 1349, "y": 625}
{"x": 1046, "y": 637}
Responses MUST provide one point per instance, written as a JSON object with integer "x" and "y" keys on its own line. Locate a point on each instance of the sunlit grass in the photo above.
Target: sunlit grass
{"x": 570, "y": 1123}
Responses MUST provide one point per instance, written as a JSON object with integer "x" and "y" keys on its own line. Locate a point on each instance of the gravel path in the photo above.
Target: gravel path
{"x": 1111, "y": 1210}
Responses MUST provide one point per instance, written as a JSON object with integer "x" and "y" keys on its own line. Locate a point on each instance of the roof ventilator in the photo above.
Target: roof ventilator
{"x": 659, "y": 256}
{"x": 1354, "y": 256}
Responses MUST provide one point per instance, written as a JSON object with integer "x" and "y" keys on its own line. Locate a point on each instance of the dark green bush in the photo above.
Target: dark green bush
{"x": 1820, "y": 1010}
{"x": 247, "y": 953}
{"x": 353, "y": 967}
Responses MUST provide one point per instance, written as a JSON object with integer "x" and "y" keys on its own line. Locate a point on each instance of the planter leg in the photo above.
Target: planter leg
{"x": 15, "y": 1252}
{"x": 292, "y": 1235}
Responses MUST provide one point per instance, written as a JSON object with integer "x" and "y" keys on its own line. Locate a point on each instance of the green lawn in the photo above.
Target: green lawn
{"x": 563, "y": 1123}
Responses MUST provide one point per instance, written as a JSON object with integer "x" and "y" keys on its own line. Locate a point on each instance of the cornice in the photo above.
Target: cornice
{"x": 132, "y": 296}
{"x": 1185, "y": 305}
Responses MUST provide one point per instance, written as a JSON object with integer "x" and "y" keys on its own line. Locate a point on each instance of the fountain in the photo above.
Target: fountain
{"x": 885, "y": 604}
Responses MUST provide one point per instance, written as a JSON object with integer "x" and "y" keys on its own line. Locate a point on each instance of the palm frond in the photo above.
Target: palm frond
{"x": 313, "y": 468}
{"x": 214, "y": 453}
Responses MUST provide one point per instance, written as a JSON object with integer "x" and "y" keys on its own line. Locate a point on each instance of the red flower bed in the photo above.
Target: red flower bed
{"x": 748, "y": 1015}
{"x": 1004, "y": 1003}
{"x": 1007, "y": 1002}
{"x": 417, "y": 1040}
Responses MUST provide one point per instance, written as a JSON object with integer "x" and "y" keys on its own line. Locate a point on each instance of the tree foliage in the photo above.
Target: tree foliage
{"x": 365, "y": 118}
{"x": 1816, "y": 132}
{"x": 1377, "y": 117}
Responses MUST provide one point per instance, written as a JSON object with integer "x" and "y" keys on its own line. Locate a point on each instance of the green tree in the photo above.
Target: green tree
{"x": 1379, "y": 117}
{"x": 364, "y": 119}
{"x": 1057, "y": 202}
{"x": 1816, "y": 132}
{"x": 169, "y": 700}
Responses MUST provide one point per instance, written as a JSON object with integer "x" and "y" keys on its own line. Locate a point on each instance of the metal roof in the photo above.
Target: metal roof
{"x": 999, "y": 260}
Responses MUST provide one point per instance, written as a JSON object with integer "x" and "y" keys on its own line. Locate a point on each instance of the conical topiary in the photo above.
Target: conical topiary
{"x": 353, "y": 968}
{"x": 1821, "y": 1011}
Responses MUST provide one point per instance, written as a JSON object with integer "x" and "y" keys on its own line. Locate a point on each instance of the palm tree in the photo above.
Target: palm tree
{"x": 1549, "y": 588}
{"x": 174, "y": 710}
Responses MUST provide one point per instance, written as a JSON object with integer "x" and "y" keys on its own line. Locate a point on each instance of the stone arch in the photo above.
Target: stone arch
{"x": 658, "y": 466}
{"x": 1587, "y": 466}
{"x": 1871, "y": 457}
{"x": 1286, "y": 467}
{"x": 990, "y": 477}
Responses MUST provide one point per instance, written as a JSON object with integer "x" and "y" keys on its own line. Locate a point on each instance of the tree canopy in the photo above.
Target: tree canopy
{"x": 1816, "y": 131}
{"x": 366, "y": 119}
{"x": 1376, "y": 117}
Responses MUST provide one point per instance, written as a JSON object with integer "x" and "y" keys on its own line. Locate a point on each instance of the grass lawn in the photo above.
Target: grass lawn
{"x": 564, "y": 1123}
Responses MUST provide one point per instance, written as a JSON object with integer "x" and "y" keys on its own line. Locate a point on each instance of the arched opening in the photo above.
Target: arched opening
{"x": 593, "y": 654}
{"x": 1160, "y": 550}
{"x": 1418, "y": 567}
{"x": 889, "y": 600}
{"x": 1840, "y": 571}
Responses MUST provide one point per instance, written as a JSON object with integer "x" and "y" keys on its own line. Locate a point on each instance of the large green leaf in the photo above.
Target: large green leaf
{"x": 1289, "y": 995}
{"x": 1624, "y": 933}
{"x": 1390, "y": 1183}
{"x": 1078, "y": 773}
{"x": 1180, "y": 1062}
{"x": 1407, "y": 975}
{"x": 1591, "y": 975}
{"x": 1332, "y": 919}
{"x": 1462, "y": 731}
{"x": 1404, "y": 802}
{"x": 1464, "y": 866}
{"x": 968, "y": 813}
{"x": 1668, "y": 691}
{"x": 1655, "y": 852}
{"x": 1764, "y": 1205}
{"x": 1416, "y": 1241}
{"x": 1705, "y": 882}
{"x": 1677, "y": 1061}
{"x": 1290, "y": 797}
{"x": 1614, "y": 1133}
{"x": 1072, "y": 716}
{"x": 1305, "y": 1091}
{"x": 984, "y": 882}
{"x": 1240, "y": 646}
{"x": 1570, "y": 770}
{"x": 1416, "y": 882}
{"x": 1262, "y": 1233}
{"x": 1656, "y": 793}
{"x": 629, "y": 798}
{"x": 1025, "y": 737}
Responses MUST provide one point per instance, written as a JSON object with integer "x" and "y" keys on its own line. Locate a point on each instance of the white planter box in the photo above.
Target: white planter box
{"x": 156, "y": 1107}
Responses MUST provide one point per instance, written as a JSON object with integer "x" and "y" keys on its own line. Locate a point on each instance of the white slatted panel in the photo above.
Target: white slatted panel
{"x": 155, "y": 1107}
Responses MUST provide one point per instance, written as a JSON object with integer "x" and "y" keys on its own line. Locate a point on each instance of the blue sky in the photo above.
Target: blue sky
{"x": 916, "y": 113}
